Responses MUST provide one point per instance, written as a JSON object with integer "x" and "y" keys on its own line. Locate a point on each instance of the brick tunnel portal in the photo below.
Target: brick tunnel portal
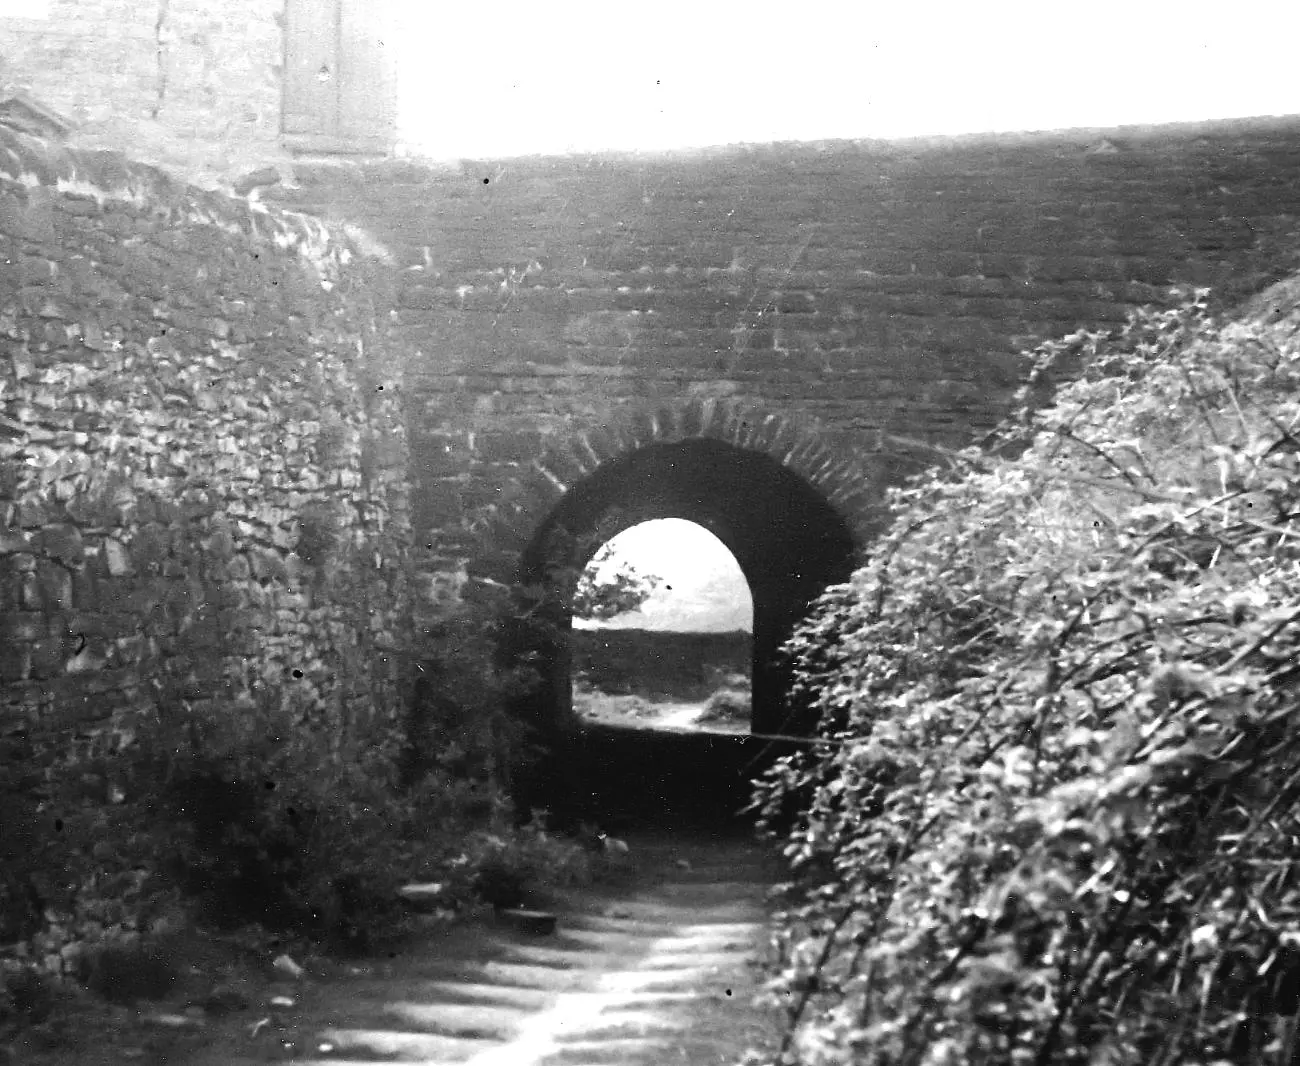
{"x": 789, "y": 542}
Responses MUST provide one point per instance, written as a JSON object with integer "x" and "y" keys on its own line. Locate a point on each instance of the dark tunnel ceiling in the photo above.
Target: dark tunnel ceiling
{"x": 789, "y": 542}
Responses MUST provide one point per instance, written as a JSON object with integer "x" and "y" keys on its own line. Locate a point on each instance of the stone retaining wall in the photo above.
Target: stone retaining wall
{"x": 203, "y": 496}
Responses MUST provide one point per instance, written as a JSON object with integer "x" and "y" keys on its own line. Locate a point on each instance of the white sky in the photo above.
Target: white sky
{"x": 513, "y": 78}
{"x": 703, "y": 589}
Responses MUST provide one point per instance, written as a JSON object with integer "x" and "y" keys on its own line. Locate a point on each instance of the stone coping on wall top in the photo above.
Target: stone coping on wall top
{"x": 1083, "y": 140}
{"x": 29, "y": 162}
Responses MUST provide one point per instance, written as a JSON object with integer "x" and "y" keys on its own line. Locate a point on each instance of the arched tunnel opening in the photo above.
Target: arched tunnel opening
{"x": 789, "y": 542}
{"x": 661, "y": 637}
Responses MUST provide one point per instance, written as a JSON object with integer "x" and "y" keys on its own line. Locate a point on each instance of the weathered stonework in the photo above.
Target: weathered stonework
{"x": 832, "y": 309}
{"x": 870, "y": 299}
{"x": 189, "y": 85}
{"x": 203, "y": 483}
{"x": 858, "y": 293}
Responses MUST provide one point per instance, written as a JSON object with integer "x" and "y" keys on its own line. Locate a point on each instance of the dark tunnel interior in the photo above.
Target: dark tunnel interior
{"x": 790, "y": 544}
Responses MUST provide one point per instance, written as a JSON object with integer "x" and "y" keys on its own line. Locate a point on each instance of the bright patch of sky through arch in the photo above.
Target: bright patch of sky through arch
{"x": 701, "y": 590}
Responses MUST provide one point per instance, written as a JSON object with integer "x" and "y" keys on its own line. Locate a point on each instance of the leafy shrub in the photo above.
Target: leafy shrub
{"x": 596, "y": 702}
{"x": 245, "y": 814}
{"x": 267, "y": 819}
{"x": 127, "y": 972}
{"x": 727, "y": 705}
{"x": 1054, "y": 818}
{"x": 459, "y": 719}
{"x": 526, "y": 867}
{"x": 607, "y": 588}
{"x": 297, "y": 822}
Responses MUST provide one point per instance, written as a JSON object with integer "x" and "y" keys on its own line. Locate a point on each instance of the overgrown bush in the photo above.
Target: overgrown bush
{"x": 1052, "y": 817}
{"x": 526, "y": 868}
{"x": 595, "y": 702}
{"x": 245, "y": 812}
{"x": 730, "y": 704}
{"x": 459, "y": 718}
{"x": 267, "y": 815}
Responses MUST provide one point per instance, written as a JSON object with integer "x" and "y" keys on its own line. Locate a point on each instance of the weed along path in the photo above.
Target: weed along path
{"x": 660, "y": 972}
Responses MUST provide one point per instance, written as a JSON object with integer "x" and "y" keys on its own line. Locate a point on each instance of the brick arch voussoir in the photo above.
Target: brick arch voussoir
{"x": 797, "y": 443}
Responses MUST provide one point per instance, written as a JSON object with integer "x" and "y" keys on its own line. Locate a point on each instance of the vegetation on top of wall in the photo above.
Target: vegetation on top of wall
{"x": 1054, "y": 811}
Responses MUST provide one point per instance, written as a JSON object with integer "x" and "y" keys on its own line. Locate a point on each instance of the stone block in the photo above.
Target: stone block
{"x": 203, "y": 632}
{"x": 15, "y": 661}
{"x": 236, "y": 620}
{"x": 272, "y": 566}
{"x": 33, "y": 514}
{"x": 86, "y": 589}
{"x": 416, "y": 297}
{"x": 141, "y": 598}
{"x": 105, "y": 625}
{"x": 508, "y": 447}
{"x": 22, "y": 218}
{"x": 76, "y": 701}
{"x": 117, "y": 560}
{"x": 30, "y": 596}
{"x": 183, "y": 597}
{"x": 387, "y": 450}
{"x": 47, "y": 658}
{"x": 220, "y": 545}
{"x": 150, "y": 546}
{"x": 190, "y": 509}
{"x": 55, "y": 586}
{"x": 22, "y": 626}
{"x": 14, "y": 542}
{"x": 61, "y": 543}
{"x": 11, "y": 583}
{"x": 440, "y": 503}
{"x": 89, "y": 512}
{"x": 130, "y": 648}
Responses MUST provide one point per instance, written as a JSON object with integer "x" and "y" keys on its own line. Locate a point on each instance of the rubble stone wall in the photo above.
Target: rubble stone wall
{"x": 203, "y": 494}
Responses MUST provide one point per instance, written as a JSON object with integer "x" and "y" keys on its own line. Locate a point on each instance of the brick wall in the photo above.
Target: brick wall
{"x": 558, "y": 311}
{"x": 202, "y": 463}
{"x": 190, "y": 85}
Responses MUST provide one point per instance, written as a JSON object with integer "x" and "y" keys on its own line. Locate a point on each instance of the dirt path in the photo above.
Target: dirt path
{"x": 680, "y": 716}
{"x": 659, "y": 974}
{"x": 676, "y": 716}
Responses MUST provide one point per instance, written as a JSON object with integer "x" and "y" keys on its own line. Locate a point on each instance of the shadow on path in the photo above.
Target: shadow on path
{"x": 663, "y": 973}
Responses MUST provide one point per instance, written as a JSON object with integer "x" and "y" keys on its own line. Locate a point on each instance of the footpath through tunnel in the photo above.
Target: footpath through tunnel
{"x": 789, "y": 542}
